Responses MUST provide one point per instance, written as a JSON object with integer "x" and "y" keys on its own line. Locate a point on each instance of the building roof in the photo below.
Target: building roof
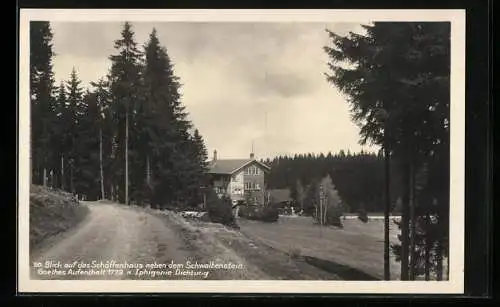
{"x": 280, "y": 195}
{"x": 230, "y": 166}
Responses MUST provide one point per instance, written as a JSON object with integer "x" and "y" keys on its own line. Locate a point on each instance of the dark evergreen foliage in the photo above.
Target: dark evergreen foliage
{"x": 84, "y": 140}
{"x": 220, "y": 210}
{"x": 396, "y": 78}
{"x": 357, "y": 177}
{"x": 43, "y": 114}
{"x": 268, "y": 214}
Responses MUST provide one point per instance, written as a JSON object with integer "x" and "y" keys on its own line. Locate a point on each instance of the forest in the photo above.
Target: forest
{"x": 126, "y": 138}
{"x": 358, "y": 178}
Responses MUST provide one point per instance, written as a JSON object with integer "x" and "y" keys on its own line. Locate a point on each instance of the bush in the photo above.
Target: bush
{"x": 259, "y": 213}
{"x": 269, "y": 214}
{"x": 334, "y": 219}
{"x": 220, "y": 210}
{"x": 363, "y": 216}
{"x": 248, "y": 212}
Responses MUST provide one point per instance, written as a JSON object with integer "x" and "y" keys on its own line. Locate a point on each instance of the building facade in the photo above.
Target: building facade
{"x": 240, "y": 179}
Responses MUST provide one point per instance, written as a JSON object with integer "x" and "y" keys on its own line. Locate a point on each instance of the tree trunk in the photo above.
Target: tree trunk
{"x": 428, "y": 243}
{"x": 51, "y": 176}
{"x": 56, "y": 173}
{"x": 100, "y": 164}
{"x": 72, "y": 185}
{"x": 405, "y": 223}
{"x": 439, "y": 259}
{"x": 148, "y": 172}
{"x": 44, "y": 177}
{"x": 448, "y": 268}
{"x": 41, "y": 179}
{"x": 72, "y": 165}
{"x": 387, "y": 208}
{"x": 126, "y": 157}
{"x": 62, "y": 172}
{"x": 325, "y": 209}
{"x": 412, "y": 224}
{"x": 32, "y": 171}
{"x": 321, "y": 210}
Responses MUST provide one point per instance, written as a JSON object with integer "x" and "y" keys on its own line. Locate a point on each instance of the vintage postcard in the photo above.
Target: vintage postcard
{"x": 241, "y": 151}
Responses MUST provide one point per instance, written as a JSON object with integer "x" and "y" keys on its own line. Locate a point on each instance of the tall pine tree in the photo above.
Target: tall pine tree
{"x": 402, "y": 70}
{"x": 174, "y": 158}
{"x": 125, "y": 80}
{"x": 105, "y": 127}
{"x": 42, "y": 100}
{"x": 75, "y": 111}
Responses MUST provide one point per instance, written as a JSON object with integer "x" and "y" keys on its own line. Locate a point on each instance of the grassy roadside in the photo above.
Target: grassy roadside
{"x": 215, "y": 242}
{"x": 52, "y": 212}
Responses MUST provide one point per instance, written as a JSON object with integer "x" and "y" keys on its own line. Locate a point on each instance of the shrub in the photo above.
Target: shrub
{"x": 333, "y": 218}
{"x": 220, "y": 210}
{"x": 363, "y": 216}
{"x": 269, "y": 214}
{"x": 249, "y": 212}
{"x": 259, "y": 213}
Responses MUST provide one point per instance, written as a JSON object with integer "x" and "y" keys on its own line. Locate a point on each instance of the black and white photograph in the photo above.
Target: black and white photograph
{"x": 240, "y": 152}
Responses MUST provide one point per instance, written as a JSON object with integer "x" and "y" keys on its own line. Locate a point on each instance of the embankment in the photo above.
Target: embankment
{"x": 52, "y": 212}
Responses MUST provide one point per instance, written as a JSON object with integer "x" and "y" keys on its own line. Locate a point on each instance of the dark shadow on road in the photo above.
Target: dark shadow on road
{"x": 343, "y": 271}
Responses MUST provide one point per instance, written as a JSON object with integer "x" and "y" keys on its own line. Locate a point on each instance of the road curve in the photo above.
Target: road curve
{"x": 111, "y": 232}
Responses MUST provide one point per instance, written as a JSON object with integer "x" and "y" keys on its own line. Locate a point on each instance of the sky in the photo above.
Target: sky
{"x": 245, "y": 85}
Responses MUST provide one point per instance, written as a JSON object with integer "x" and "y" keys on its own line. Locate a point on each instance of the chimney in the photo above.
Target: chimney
{"x": 215, "y": 155}
{"x": 252, "y": 155}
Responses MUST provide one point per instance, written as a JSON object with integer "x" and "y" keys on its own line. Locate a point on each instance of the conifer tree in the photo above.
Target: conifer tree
{"x": 61, "y": 136}
{"x": 401, "y": 69}
{"x": 102, "y": 96}
{"x": 125, "y": 80}
{"x": 75, "y": 102}
{"x": 42, "y": 100}
{"x": 174, "y": 158}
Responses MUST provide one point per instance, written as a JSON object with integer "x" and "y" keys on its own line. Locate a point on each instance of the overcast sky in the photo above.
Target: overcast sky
{"x": 233, "y": 75}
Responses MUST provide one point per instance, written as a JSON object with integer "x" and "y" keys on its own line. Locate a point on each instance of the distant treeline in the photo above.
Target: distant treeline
{"x": 358, "y": 178}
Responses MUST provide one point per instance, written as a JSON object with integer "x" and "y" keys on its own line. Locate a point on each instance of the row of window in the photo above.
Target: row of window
{"x": 252, "y": 186}
{"x": 247, "y": 186}
{"x": 220, "y": 190}
{"x": 252, "y": 170}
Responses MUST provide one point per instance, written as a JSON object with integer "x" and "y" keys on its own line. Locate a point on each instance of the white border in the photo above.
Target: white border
{"x": 457, "y": 151}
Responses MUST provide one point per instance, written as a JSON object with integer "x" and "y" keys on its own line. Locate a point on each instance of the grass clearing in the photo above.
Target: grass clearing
{"x": 356, "y": 250}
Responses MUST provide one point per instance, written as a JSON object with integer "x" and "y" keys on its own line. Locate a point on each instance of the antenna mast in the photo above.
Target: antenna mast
{"x": 265, "y": 131}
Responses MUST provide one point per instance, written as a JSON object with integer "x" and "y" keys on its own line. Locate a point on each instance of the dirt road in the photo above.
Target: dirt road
{"x": 113, "y": 242}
